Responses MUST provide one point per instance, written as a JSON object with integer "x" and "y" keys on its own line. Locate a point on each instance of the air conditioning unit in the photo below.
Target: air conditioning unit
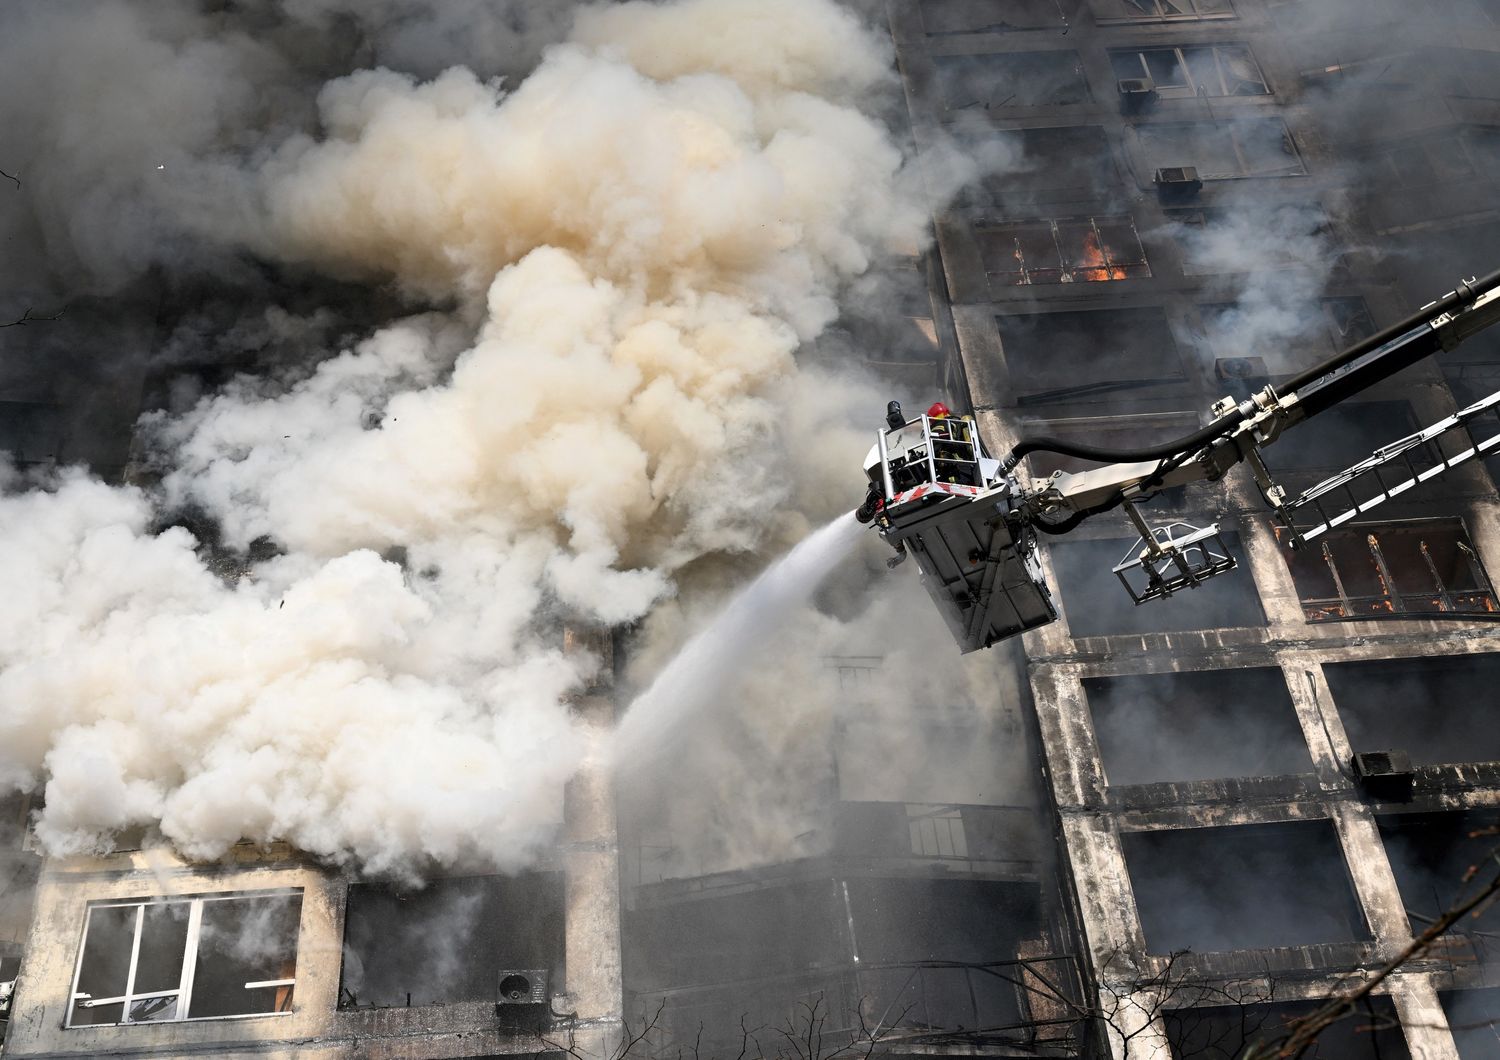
{"x": 1136, "y": 93}
{"x": 1176, "y": 183}
{"x": 1385, "y": 775}
{"x": 521, "y": 986}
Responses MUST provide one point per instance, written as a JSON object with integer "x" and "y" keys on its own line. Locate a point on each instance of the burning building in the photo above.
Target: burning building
{"x": 1138, "y": 832}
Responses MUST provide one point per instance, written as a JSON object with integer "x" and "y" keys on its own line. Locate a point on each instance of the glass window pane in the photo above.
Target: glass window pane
{"x": 1205, "y": 71}
{"x": 154, "y": 1009}
{"x": 1243, "y": 76}
{"x": 1166, "y": 71}
{"x": 106, "y": 952}
{"x": 98, "y": 1014}
{"x": 245, "y": 940}
{"x": 163, "y": 942}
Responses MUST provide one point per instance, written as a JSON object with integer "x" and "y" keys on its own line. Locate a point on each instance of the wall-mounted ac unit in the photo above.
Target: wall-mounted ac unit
{"x": 1385, "y": 775}
{"x": 1136, "y": 93}
{"x": 521, "y": 986}
{"x": 1178, "y": 183}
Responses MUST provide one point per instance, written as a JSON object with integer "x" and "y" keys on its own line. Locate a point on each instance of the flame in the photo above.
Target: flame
{"x": 1096, "y": 266}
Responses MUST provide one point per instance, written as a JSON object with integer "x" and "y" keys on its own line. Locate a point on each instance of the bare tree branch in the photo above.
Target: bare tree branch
{"x": 28, "y": 317}
{"x": 9, "y": 176}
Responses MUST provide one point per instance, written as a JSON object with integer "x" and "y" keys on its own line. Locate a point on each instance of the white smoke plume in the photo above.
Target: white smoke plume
{"x": 639, "y": 236}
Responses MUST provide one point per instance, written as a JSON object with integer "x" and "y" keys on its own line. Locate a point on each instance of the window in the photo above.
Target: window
{"x": 1249, "y": 239}
{"x": 1087, "y": 249}
{"x": 1452, "y": 155}
{"x": 1281, "y": 343}
{"x": 1222, "y": 1032}
{"x": 1211, "y": 70}
{"x": 1222, "y": 150}
{"x": 857, "y": 673}
{"x": 448, "y": 941}
{"x": 993, "y": 16}
{"x": 936, "y": 831}
{"x": 155, "y": 960}
{"x": 1093, "y": 355}
{"x": 1241, "y": 887}
{"x": 1107, "y": 11}
{"x": 1016, "y": 79}
{"x": 1071, "y": 162}
{"x": 1197, "y": 725}
{"x": 1438, "y": 709}
{"x": 1391, "y": 570}
{"x": 30, "y": 432}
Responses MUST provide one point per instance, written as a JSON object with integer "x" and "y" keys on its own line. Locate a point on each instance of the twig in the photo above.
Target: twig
{"x": 9, "y": 176}
{"x": 28, "y": 316}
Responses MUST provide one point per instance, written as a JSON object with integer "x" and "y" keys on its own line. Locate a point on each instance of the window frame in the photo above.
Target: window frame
{"x": 1065, "y": 268}
{"x": 188, "y": 974}
{"x": 1158, "y": 15}
{"x": 1235, "y": 130}
{"x": 1190, "y": 88}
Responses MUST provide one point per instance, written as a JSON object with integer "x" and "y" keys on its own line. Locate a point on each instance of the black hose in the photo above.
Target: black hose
{"x": 1188, "y": 443}
{"x": 1464, "y": 292}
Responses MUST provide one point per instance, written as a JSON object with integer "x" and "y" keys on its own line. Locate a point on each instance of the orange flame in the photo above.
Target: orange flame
{"x": 1096, "y": 265}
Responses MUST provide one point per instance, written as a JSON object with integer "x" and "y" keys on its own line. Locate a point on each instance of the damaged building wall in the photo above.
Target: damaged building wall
{"x": 1340, "y": 182}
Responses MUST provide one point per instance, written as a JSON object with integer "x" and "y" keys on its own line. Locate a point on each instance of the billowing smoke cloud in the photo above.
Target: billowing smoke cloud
{"x": 637, "y": 239}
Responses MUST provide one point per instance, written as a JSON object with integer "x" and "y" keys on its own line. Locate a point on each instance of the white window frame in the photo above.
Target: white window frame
{"x": 184, "y": 990}
{"x": 1190, "y": 88}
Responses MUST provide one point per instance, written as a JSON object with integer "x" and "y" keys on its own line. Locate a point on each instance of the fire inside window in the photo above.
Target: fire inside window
{"x": 1153, "y": 10}
{"x": 1089, "y": 249}
{"x": 1392, "y": 570}
{"x": 154, "y": 960}
{"x": 1209, "y": 70}
{"x": 1223, "y": 150}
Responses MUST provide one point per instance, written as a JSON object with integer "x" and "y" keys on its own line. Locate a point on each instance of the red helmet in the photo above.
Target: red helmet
{"x": 938, "y": 409}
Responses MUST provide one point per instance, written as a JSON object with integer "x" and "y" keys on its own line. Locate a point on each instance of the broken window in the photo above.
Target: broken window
{"x": 1096, "y": 605}
{"x": 1068, "y": 250}
{"x": 1407, "y": 569}
{"x": 1437, "y": 710}
{"x": 1105, "y": 355}
{"x": 1013, "y": 79}
{"x": 149, "y": 961}
{"x": 1209, "y": 70}
{"x": 1432, "y": 856}
{"x": 1201, "y": 725}
{"x": 1222, "y": 1032}
{"x": 993, "y": 16}
{"x": 1242, "y": 887}
{"x": 1222, "y": 150}
{"x": 1106, "y": 11}
{"x": 447, "y": 942}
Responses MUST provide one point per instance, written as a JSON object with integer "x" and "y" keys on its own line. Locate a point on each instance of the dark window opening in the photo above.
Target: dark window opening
{"x": 150, "y": 961}
{"x": 1437, "y": 710}
{"x": 1408, "y": 569}
{"x": 1222, "y": 1032}
{"x": 1097, "y": 605}
{"x": 1474, "y": 1015}
{"x": 1102, "y": 355}
{"x": 1016, "y": 79}
{"x": 1208, "y": 70}
{"x": 31, "y": 432}
{"x": 1342, "y": 436}
{"x": 1081, "y": 250}
{"x": 946, "y": 832}
{"x": 1196, "y": 726}
{"x": 1106, "y": 11}
{"x": 1249, "y": 147}
{"x": 447, "y": 942}
{"x": 1243, "y": 887}
{"x": 988, "y": 16}
{"x": 1440, "y": 860}
{"x": 1061, "y": 163}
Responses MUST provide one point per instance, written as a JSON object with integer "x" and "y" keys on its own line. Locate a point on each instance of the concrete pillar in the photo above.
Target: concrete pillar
{"x": 590, "y": 856}
{"x": 1423, "y": 1020}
